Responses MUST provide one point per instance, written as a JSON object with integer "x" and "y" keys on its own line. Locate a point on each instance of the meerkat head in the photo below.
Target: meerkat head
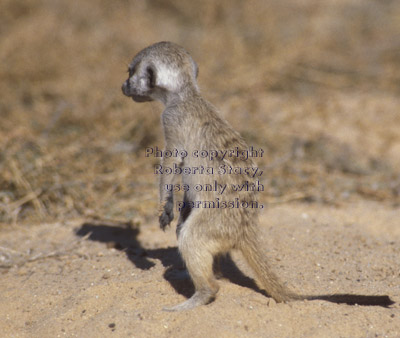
{"x": 160, "y": 71}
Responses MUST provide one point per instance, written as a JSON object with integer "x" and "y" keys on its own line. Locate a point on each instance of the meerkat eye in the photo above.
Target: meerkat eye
{"x": 132, "y": 69}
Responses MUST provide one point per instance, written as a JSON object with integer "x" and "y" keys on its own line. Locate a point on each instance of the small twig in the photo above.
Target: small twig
{"x": 11, "y": 250}
{"x": 288, "y": 198}
{"x": 27, "y": 198}
{"x": 22, "y": 182}
{"x": 59, "y": 253}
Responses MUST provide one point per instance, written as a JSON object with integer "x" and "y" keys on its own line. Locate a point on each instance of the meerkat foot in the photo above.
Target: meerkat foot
{"x": 199, "y": 298}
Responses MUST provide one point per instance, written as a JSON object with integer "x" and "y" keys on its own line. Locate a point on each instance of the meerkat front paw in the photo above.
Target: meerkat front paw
{"x": 166, "y": 214}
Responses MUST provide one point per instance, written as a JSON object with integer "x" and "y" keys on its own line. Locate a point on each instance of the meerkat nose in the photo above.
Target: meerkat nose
{"x": 124, "y": 87}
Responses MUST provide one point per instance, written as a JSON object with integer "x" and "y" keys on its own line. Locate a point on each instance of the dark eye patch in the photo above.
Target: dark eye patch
{"x": 151, "y": 76}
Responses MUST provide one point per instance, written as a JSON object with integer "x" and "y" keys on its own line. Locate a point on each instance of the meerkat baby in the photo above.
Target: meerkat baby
{"x": 166, "y": 72}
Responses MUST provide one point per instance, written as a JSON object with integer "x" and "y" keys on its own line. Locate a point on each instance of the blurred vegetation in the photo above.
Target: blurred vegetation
{"x": 315, "y": 84}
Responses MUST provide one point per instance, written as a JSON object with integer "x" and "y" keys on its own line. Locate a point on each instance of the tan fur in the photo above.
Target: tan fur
{"x": 166, "y": 72}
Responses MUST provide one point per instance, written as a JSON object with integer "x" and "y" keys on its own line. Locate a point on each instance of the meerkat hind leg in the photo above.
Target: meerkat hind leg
{"x": 199, "y": 262}
{"x": 200, "y": 297}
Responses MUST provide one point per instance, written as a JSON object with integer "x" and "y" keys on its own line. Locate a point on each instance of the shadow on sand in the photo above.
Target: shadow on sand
{"x": 124, "y": 237}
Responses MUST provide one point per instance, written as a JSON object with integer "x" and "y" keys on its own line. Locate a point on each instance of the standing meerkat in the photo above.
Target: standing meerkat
{"x": 217, "y": 219}
{"x": 166, "y": 72}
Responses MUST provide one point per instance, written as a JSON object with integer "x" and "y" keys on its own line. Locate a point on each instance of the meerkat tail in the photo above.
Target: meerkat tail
{"x": 268, "y": 279}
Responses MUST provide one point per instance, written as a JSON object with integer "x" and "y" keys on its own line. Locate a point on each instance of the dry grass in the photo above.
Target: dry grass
{"x": 314, "y": 84}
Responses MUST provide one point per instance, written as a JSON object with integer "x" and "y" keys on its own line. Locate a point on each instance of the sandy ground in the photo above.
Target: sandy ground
{"x": 102, "y": 279}
{"x": 316, "y": 84}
